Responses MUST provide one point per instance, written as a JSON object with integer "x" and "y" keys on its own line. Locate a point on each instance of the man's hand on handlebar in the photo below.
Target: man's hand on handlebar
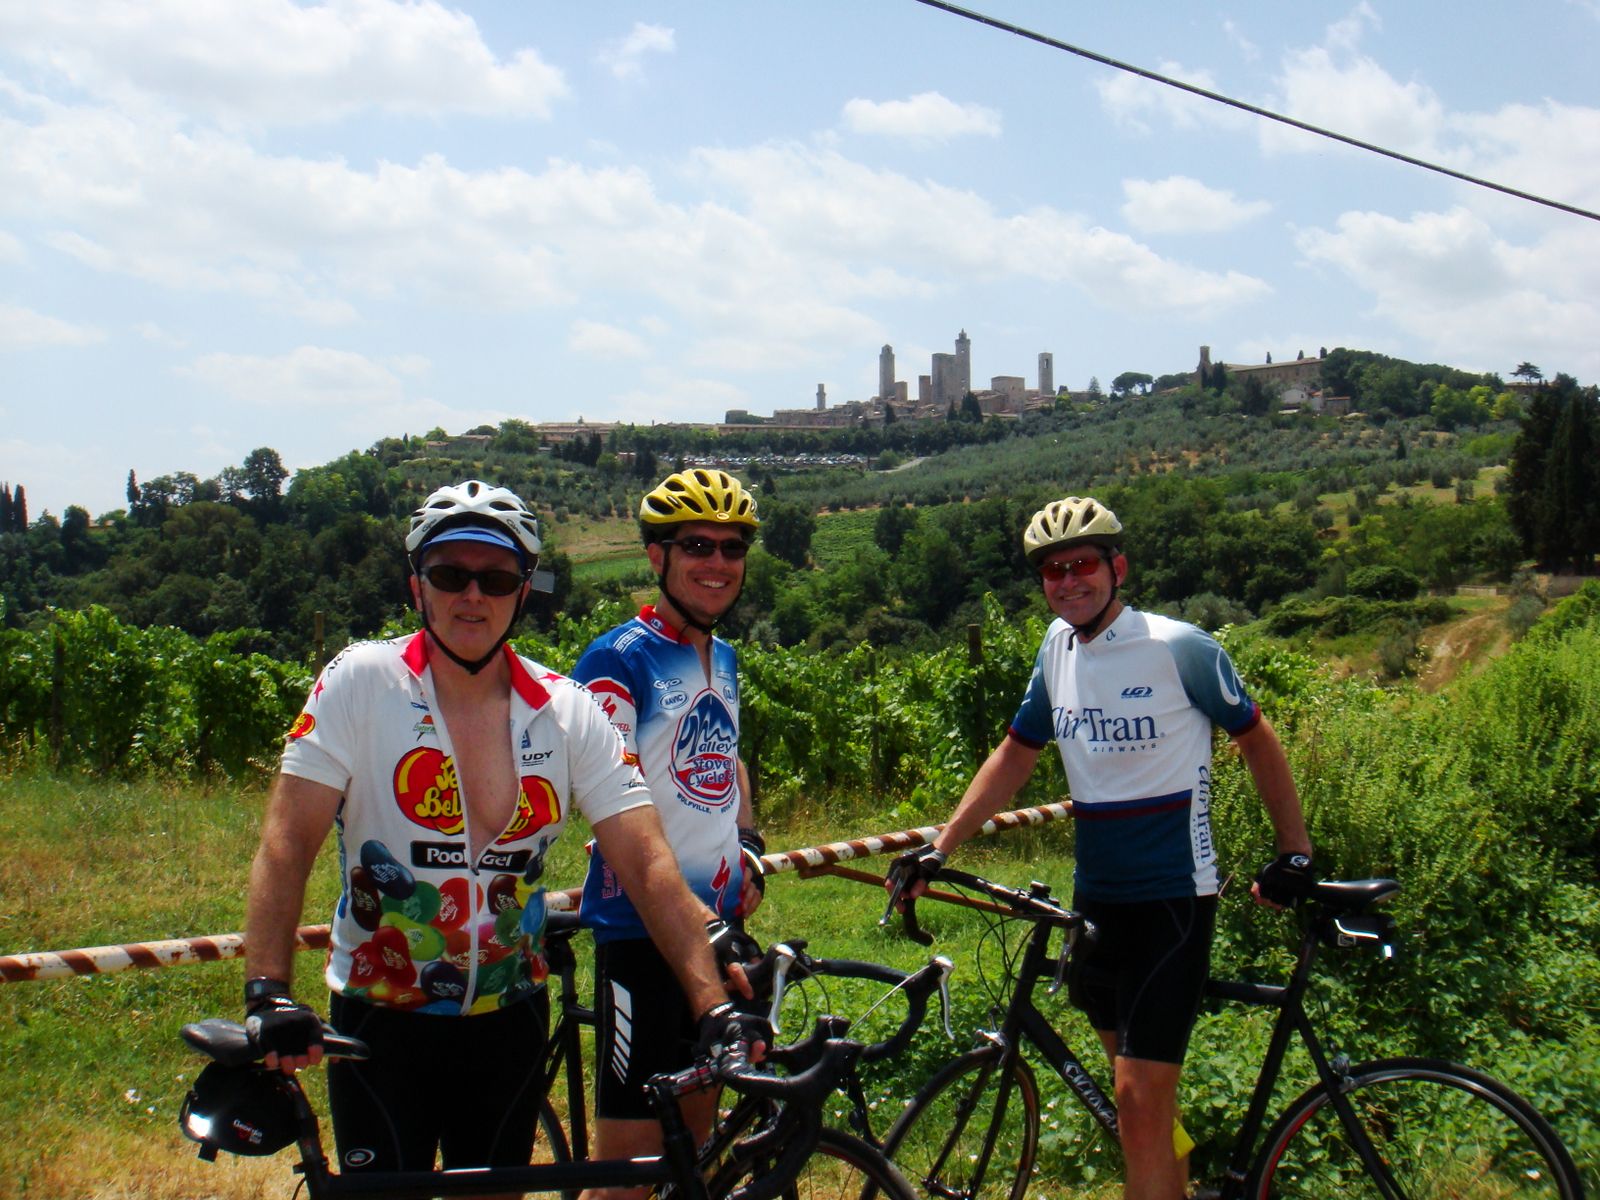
{"x": 909, "y": 873}
{"x": 734, "y": 950}
{"x": 727, "y": 1034}
{"x": 1285, "y": 880}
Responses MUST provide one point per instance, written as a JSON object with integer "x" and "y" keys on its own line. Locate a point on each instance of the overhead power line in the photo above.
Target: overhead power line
{"x": 1256, "y": 110}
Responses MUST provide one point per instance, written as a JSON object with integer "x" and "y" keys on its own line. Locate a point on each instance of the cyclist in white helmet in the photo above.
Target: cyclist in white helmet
{"x": 449, "y": 764}
{"x": 1130, "y": 699}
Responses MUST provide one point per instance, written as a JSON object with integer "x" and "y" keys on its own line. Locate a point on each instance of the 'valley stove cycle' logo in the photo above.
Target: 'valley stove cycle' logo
{"x": 703, "y": 762}
{"x": 426, "y": 790}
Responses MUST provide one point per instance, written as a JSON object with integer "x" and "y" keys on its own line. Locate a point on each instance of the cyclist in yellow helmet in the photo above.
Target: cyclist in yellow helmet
{"x": 672, "y": 688}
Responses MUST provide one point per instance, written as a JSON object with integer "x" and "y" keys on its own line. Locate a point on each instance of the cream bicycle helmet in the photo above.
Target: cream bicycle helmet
{"x": 1072, "y": 521}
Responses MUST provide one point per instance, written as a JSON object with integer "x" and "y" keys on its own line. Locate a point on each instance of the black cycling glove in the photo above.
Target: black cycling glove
{"x": 751, "y": 847}
{"x": 730, "y": 944}
{"x": 1287, "y": 878}
{"x": 278, "y": 1024}
{"x": 725, "y": 1031}
{"x": 922, "y": 863}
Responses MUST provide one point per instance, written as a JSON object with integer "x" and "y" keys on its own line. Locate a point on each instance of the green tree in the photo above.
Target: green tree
{"x": 786, "y": 529}
{"x": 1125, "y": 383}
{"x": 1553, "y": 476}
{"x": 890, "y": 527}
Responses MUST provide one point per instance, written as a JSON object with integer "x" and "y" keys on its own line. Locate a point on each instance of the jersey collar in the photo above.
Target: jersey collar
{"x": 533, "y": 693}
{"x": 660, "y": 624}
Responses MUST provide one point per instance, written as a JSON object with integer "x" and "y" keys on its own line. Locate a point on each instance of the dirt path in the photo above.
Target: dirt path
{"x": 1464, "y": 645}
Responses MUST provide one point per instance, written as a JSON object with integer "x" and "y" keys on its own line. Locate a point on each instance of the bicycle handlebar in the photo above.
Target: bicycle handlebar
{"x": 785, "y": 962}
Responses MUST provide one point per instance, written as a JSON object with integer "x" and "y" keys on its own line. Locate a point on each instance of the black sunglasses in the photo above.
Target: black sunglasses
{"x": 733, "y": 549}
{"x": 493, "y": 582}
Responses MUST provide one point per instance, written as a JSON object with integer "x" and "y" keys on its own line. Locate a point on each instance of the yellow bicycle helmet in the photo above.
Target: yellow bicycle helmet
{"x": 1073, "y": 521}
{"x": 697, "y": 495}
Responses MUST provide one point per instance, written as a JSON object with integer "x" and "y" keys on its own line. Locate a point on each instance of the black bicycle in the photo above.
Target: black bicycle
{"x": 770, "y": 1141}
{"x": 1399, "y": 1129}
{"x": 238, "y": 1105}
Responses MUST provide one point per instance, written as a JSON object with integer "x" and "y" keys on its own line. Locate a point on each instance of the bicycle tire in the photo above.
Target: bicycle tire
{"x": 842, "y": 1167}
{"x": 1442, "y": 1130}
{"x": 937, "y": 1139}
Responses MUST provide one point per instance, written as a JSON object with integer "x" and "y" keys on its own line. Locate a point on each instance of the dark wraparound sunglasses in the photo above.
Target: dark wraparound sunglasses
{"x": 493, "y": 582}
{"x": 1084, "y": 567}
{"x": 732, "y": 549}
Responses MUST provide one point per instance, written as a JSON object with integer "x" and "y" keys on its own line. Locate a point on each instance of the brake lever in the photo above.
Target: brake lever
{"x": 945, "y": 969}
{"x": 908, "y": 914}
{"x": 783, "y": 957}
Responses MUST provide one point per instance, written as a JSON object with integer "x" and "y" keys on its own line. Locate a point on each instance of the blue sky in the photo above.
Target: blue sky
{"x": 309, "y": 226}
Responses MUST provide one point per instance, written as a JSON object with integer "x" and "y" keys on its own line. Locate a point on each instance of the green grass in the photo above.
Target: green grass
{"x": 95, "y": 1072}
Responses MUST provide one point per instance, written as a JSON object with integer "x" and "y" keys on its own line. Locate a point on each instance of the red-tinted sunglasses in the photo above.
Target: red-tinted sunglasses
{"x": 1055, "y": 572}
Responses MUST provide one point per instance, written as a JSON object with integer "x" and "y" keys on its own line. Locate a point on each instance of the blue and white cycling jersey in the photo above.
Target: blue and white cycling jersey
{"x": 685, "y": 730}
{"x": 1131, "y": 712}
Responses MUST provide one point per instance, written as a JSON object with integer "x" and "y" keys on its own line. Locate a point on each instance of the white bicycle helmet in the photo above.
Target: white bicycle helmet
{"x": 1072, "y": 521}
{"x": 475, "y": 503}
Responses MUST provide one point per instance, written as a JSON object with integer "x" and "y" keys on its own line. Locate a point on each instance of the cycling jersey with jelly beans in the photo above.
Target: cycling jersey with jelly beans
{"x": 1132, "y": 712}
{"x": 685, "y": 729}
{"x": 417, "y": 926}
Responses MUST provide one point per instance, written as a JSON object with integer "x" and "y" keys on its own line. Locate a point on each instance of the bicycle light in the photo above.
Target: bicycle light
{"x": 243, "y": 1110}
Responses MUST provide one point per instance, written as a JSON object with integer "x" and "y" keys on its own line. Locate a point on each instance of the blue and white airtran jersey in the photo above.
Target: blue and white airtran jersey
{"x": 685, "y": 730}
{"x": 1132, "y": 712}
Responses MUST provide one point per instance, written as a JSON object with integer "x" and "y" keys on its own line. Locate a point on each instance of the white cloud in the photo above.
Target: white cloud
{"x": 1178, "y": 204}
{"x": 1355, "y": 96}
{"x": 925, "y": 117}
{"x": 308, "y": 378}
{"x": 11, "y": 250}
{"x": 273, "y": 62}
{"x": 599, "y": 340}
{"x": 624, "y": 58}
{"x": 1137, "y": 103}
{"x": 1450, "y": 281}
{"x": 23, "y": 329}
{"x": 830, "y": 214}
{"x": 669, "y": 396}
{"x": 151, "y": 332}
{"x": 1237, "y": 36}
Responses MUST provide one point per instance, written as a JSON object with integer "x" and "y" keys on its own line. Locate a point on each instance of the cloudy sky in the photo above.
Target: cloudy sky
{"x": 236, "y": 223}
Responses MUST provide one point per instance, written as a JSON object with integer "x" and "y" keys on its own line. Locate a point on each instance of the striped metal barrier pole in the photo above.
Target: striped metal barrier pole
{"x": 107, "y": 960}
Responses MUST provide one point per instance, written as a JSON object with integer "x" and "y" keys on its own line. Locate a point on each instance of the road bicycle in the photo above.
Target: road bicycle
{"x": 1397, "y": 1129}
{"x": 769, "y": 1141}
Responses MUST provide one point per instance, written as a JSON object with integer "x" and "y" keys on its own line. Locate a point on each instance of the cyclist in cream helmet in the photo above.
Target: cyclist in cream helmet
{"x": 448, "y": 765}
{"x": 672, "y": 688}
{"x": 1130, "y": 700}
{"x": 1075, "y": 521}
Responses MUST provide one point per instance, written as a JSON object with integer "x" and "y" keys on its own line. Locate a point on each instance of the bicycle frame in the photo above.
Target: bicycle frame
{"x": 675, "y": 1165}
{"x": 1024, "y": 1022}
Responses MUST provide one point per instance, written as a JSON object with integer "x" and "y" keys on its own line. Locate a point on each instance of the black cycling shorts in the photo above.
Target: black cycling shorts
{"x": 645, "y": 1026}
{"x": 1146, "y": 973}
{"x": 464, "y": 1087}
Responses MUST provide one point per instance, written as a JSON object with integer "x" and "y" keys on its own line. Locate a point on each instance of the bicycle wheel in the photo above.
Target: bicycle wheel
{"x": 843, "y": 1167}
{"x": 938, "y": 1139}
{"x": 1440, "y": 1131}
